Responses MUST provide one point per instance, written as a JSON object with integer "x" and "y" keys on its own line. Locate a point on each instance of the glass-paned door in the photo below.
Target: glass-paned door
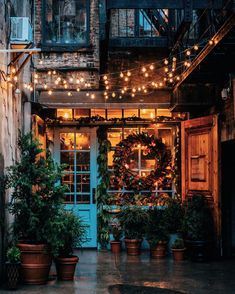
{"x": 77, "y": 150}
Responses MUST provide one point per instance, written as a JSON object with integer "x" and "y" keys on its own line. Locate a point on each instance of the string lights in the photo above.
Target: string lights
{"x": 142, "y": 80}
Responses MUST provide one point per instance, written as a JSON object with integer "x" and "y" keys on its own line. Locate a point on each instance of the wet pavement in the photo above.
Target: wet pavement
{"x": 103, "y": 272}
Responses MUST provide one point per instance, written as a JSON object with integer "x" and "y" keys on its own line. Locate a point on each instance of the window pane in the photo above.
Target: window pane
{"x": 114, "y": 113}
{"x": 147, "y": 113}
{"x": 69, "y": 198}
{"x": 67, "y": 141}
{"x": 83, "y": 161}
{"x": 82, "y": 141}
{"x": 110, "y": 159}
{"x": 115, "y": 136}
{"x": 68, "y": 159}
{"x": 100, "y": 112}
{"x": 65, "y": 113}
{"x": 83, "y": 183}
{"x": 68, "y": 180}
{"x": 65, "y": 22}
{"x": 131, "y": 112}
{"x": 130, "y": 131}
{"x": 81, "y": 113}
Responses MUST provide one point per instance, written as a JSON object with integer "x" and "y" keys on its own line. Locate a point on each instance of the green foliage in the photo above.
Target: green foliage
{"x": 13, "y": 254}
{"x": 157, "y": 229}
{"x": 67, "y": 232}
{"x": 178, "y": 244}
{"x": 173, "y": 215}
{"x": 133, "y": 220}
{"x": 36, "y": 196}
{"x": 116, "y": 230}
{"x": 198, "y": 219}
{"x": 104, "y": 179}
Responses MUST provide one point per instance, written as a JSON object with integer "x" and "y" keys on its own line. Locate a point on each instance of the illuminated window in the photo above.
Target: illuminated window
{"x": 131, "y": 112}
{"x": 65, "y": 113}
{"x": 81, "y": 113}
{"x": 114, "y": 113}
{"x": 147, "y": 113}
{"x": 164, "y": 112}
{"x": 100, "y": 112}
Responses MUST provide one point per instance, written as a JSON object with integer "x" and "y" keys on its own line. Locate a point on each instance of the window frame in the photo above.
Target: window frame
{"x": 64, "y": 46}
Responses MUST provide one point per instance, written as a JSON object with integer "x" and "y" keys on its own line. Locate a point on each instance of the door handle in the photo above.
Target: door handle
{"x": 93, "y": 195}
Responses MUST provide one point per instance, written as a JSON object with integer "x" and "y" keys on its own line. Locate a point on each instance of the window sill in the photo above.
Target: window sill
{"x": 66, "y": 48}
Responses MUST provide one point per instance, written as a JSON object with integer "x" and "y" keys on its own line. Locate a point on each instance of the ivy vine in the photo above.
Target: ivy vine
{"x": 102, "y": 195}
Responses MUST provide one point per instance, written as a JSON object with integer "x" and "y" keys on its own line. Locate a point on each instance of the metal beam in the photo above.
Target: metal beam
{"x": 161, "y": 4}
{"x": 222, "y": 32}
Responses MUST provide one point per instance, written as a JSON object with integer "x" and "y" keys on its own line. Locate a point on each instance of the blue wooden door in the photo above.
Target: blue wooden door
{"x": 78, "y": 149}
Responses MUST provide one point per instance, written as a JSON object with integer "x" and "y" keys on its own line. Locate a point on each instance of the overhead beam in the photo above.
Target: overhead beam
{"x": 163, "y": 4}
{"x": 222, "y": 32}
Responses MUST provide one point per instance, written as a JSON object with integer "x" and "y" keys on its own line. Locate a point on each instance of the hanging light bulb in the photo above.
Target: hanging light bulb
{"x": 134, "y": 90}
{"x": 87, "y": 94}
{"x": 69, "y": 94}
{"x": 133, "y": 95}
{"x": 92, "y": 96}
{"x": 170, "y": 74}
{"x": 126, "y": 79}
{"x": 143, "y": 69}
{"x": 50, "y": 92}
{"x": 151, "y": 67}
{"x": 113, "y": 94}
{"x": 82, "y": 80}
{"x": 106, "y": 82}
{"x": 195, "y": 47}
{"x": 107, "y": 87}
{"x": 146, "y": 74}
{"x": 211, "y": 42}
{"x": 166, "y": 69}
{"x": 166, "y": 61}
{"x": 105, "y": 77}
{"x": 188, "y": 52}
{"x": 78, "y": 89}
{"x": 128, "y": 73}
{"x": 174, "y": 59}
{"x": 49, "y": 72}
{"x": 77, "y": 81}
{"x": 121, "y": 75}
{"x": 45, "y": 86}
{"x": 71, "y": 80}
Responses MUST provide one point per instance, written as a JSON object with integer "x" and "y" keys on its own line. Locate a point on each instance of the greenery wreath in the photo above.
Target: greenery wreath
{"x": 161, "y": 176}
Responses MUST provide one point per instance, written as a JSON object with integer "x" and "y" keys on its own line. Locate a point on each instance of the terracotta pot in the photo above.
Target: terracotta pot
{"x": 159, "y": 251}
{"x": 12, "y": 275}
{"x": 35, "y": 263}
{"x": 178, "y": 254}
{"x": 133, "y": 246}
{"x": 65, "y": 267}
{"x": 115, "y": 246}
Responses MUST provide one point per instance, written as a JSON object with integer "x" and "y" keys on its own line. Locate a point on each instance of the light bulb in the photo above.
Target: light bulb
{"x": 69, "y": 94}
{"x": 113, "y": 94}
{"x": 166, "y": 61}
{"x": 151, "y": 67}
{"x": 82, "y": 80}
{"x": 92, "y": 96}
{"x": 143, "y": 69}
{"x": 121, "y": 75}
{"x": 195, "y": 47}
{"x": 128, "y": 73}
{"x": 78, "y": 89}
{"x": 126, "y": 79}
{"x": 146, "y": 74}
{"x": 105, "y": 77}
{"x": 49, "y": 92}
{"x": 188, "y": 52}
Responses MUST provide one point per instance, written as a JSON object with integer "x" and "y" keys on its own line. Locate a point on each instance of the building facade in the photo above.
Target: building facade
{"x": 113, "y": 69}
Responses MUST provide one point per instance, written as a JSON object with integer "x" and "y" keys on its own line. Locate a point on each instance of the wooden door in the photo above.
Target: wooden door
{"x": 200, "y": 160}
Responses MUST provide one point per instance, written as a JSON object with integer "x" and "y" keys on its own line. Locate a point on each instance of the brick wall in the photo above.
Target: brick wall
{"x": 83, "y": 63}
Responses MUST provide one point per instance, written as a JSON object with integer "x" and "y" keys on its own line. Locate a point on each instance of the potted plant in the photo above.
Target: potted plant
{"x": 13, "y": 267}
{"x": 173, "y": 218}
{"x": 35, "y": 200}
{"x": 133, "y": 220}
{"x": 71, "y": 233}
{"x": 157, "y": 233}
{"x": 198, "y": 228}
{"x": 178, "y": 249}
{"x": 116, "y": 231}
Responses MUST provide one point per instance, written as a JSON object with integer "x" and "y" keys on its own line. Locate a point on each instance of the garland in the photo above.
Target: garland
{"x": 160, "y": 177}
{"x": 103, "y": 217}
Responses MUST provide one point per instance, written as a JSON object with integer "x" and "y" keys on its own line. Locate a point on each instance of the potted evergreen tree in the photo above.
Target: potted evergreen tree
{"x": 198, "y": 228}
{"x": 157, "y": 233}
{"x": 133, "y": 220}
{"x": 71, "y": 233}
{"x": 13, "y": 267}
{"x": 35, "y": 201}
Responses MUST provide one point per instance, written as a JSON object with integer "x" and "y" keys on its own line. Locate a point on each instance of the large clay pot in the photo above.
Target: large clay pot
{"x": 115, "y": 246}
{"x": 178, "y": 254}
{"x": 65, "y": 267}
{"x": 12, "y": 275}
{"x": 133, "y": 246}
{"x": 159, "y": 251}
{"x": 35, "y": 263}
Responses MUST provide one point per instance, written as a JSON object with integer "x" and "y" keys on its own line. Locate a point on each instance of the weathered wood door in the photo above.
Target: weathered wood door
{"x": 200, "y": 160}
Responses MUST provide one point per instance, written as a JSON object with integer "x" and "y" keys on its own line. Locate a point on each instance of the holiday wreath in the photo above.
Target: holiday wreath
{"x": 154, "y": 149}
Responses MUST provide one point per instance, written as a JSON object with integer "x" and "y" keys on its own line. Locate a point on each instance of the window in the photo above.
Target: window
{"x": 65, "y": 22}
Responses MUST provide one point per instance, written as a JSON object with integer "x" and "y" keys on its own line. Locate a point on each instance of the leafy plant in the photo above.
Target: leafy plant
{"x": 198, "y": 219}
{"x": 178, "y": 244}
{"x": 157, "y": 229}
{"x": 116, "y": 231}
{"x": 173, "y": 215}
{"x": 37, "y": 196}
{"x": 67, "y": 232}
{"x": 13, "y": 254}
{"x": 133, "y": 220}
